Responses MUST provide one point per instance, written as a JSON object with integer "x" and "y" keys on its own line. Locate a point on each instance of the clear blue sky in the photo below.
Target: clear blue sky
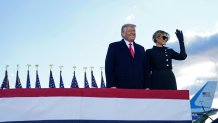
{"x": 78, "y": 32}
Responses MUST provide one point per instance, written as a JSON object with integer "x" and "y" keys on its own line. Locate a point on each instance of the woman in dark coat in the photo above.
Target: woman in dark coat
{"x": 159, "y": 61}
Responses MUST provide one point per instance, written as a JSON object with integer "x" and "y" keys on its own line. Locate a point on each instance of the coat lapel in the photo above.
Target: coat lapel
{"x": 136, "y": 51}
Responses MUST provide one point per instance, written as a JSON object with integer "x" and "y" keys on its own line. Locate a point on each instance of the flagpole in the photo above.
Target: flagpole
{"x": 86, "y": 85}
{"x": 28, "y": 66}
{"x": 74, "y": 83}
{"x": 51, "y": 65}
{"x": 37, "y": 84}
{"x": 28, "y": 77}
{"x": 51, "y": 79}
{"x": 5, "y": 83}
{"x": 61, "y": 81}
{"x": 101, "y": 68}
{"x": 85, "y": 68}
{"x": 18, "y": 83}
{"x": 37, "y": 65}
{"x": 61, "y": 67}
{"x": 92, "y": 76}
{"x": 7, "y": 67}
{"x": 17, "y": 67}
{"x": 92, "y": 68}
{"x": 74, "y": 68}
{"x": 102, "y": 80}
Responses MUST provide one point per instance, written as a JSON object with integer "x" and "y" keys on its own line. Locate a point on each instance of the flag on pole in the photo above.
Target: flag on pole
{"x": 18, "y": 83}
{"x": 61, "y": 81}
{"x": 86, "y": 82}
{"x": 28, "y": 85}
{"x": 74, "y": 83}
{"x": 38, "y": 85}
{"x": 94, "y": 84}
{"x": 102, "y": 81}
{"x": 5, "y": 83}
{"x": 51, "y": 81}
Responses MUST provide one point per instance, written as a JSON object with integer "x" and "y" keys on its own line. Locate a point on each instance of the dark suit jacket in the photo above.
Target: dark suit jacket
{"x": 123, "y": 71}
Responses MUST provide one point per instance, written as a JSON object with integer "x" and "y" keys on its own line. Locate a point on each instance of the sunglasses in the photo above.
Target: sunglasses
{"x": 164, "y": 37}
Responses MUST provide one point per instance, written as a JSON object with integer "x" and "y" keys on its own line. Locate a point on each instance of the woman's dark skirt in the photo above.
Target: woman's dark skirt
{"x": 163, "y": 80}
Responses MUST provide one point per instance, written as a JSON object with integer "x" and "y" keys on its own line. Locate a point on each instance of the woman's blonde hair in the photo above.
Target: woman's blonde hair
{"x": 158, "y": 33}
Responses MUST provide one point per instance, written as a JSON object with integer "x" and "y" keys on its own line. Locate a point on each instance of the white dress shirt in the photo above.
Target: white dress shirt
{"x": 127, "y": 44}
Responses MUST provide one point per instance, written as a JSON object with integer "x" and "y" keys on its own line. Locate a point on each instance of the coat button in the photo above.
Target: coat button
{"x": 166, "y": 59}
{"x": 166, "y": 55}
{"x": 167, "y": 65}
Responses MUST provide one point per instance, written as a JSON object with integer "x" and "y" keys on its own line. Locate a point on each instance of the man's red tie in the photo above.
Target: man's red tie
{"x": 131, "y": 50}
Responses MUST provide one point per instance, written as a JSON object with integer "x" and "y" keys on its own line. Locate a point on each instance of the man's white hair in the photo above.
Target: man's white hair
{"x": 123, "y": 29}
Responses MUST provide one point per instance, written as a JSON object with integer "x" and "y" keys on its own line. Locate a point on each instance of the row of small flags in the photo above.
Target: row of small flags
{"x": 74, "y": 83}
